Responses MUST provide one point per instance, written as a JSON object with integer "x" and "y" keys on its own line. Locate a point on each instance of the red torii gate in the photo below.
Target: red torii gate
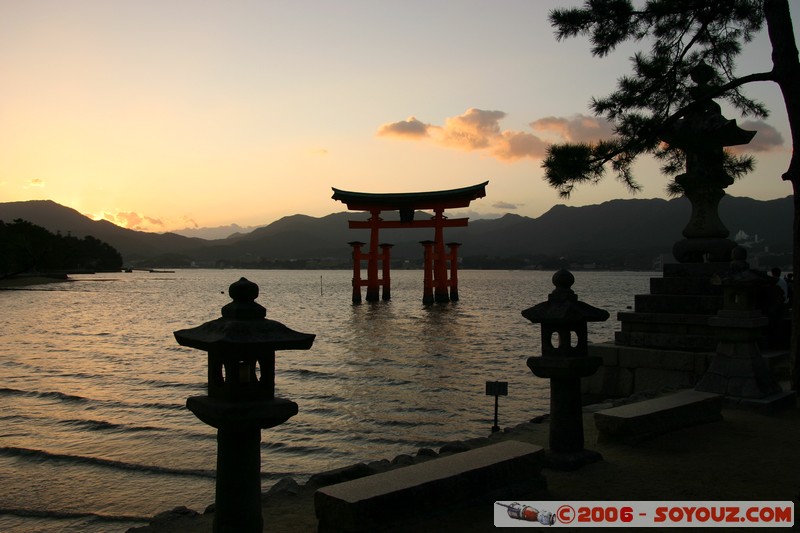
{"x": 435, "y": 260}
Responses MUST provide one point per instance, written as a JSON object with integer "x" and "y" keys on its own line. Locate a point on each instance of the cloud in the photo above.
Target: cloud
{"x": 576, "y": 129}
{"x": 133, "y": 220}
{"x": 513, "y": 145}
{"x": 479, "y": 130}
{"x": 505, "y": 205}
{"x": 767, "y": 138}
{"x": 407, "y": 129}
{"x": 36, "y": 182}
{"x": 472, "y": 130}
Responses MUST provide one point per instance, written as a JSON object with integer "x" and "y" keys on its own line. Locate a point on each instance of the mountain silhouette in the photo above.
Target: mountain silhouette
{"x": 590, "y": 233}
{"x": 133, "y": 245}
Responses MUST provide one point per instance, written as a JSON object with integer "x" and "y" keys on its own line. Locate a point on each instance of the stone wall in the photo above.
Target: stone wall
{"x": 627, "y": 370}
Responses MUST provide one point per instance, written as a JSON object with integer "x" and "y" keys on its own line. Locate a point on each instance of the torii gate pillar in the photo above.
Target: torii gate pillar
{"x": 453, "y": 246}
{"x": 356, "y": 245}
{"x": 386, "y": 261}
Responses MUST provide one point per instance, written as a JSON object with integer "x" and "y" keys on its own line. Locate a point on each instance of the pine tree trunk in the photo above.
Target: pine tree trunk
{"x": 786, "y": 70}
{"x": 795, "y": 339}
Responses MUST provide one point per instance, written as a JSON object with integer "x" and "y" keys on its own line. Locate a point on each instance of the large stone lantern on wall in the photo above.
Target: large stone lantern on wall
{"x": 702, "y": 135}
{"x": 241, "y": 400}
{"x": 564, "y": 361}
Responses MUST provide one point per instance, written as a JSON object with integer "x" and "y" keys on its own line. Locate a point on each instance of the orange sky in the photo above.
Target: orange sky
{"x": 165, "y": 115}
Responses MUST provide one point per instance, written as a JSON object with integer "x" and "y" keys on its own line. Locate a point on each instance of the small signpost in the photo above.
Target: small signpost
{"x": 496, "y": 389}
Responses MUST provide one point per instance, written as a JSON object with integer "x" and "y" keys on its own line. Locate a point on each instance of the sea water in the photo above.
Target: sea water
{"x": 94, "y": 433}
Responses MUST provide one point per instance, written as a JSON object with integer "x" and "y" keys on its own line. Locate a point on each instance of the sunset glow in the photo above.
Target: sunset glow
{"x": 166, "y": 115}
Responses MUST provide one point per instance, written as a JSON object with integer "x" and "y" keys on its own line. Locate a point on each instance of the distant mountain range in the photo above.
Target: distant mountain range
{"x": 218, "y": 232}
{"x": 618, "y": 233}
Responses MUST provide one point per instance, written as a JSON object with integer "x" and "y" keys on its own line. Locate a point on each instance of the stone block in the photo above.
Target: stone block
{"x": 339, "y": 475}
{"x": 663, "y": 318}
{"x": 779, "y": 401}
{"x": 596, "y": 383}
{"x": 676, "y": 285}
{"x": 778, "y": 362}
{"x": 668, "y": 328}
{"x": 607, "y": 351}
{"x": 625, "y": 382}
{"x": 678, "y": 303}
{"x": 742, "y": 377}
{"x": 702, "y": 362}
{"x": 656, "y": 358}
{"x": 609, "y": 382}
{"x": 695, "y": 270}
{"x": 641, "y": 420}
{"x": 656, "y": 379}
{"x": 694, "y": 343}
{"x": 397, "y": 496}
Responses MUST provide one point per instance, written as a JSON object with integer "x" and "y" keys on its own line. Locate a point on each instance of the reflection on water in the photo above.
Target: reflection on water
{"x": 94, "y": 385}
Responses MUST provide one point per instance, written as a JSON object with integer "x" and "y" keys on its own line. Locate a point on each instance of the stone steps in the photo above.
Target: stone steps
{"x": 695, "y": 270}
{"x": 662, "y": 318}
{"x": 673, "y": 341}
{"x": 699, "y": 286}
{"x": 672, "y": 330}
{"x": 665, "y": 323}
{"x": 678, "y": 303}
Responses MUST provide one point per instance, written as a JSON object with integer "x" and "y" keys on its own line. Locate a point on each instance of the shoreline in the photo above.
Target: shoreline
{"x": 20, "y": 281}
{"x": 748, "y": 456}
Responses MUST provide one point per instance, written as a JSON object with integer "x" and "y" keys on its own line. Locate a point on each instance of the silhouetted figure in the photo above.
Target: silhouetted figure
{"x": 781, "y": 283}
{"x": 775, "y": 306}
{"x": 789, "y": 285}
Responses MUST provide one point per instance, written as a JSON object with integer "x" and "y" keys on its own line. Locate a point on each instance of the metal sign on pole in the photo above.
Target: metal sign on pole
{"x": 496, "y": 389}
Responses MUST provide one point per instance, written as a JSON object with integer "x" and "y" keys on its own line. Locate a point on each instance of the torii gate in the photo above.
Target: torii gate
{"x": 435, "y": 260}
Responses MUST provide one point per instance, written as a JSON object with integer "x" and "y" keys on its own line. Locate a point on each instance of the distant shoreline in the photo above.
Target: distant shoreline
{"x": 26, "y": 280}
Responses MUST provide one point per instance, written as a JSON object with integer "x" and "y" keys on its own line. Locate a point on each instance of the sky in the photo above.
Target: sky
{"x": 161, "y": 115}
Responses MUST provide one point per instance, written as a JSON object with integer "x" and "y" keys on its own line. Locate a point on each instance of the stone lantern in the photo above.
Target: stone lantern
{"x": 564, "y": 361}
{"x": 241, "y": 400}
{"x": 702, "y": 135}
{"x": 738, "y": 371}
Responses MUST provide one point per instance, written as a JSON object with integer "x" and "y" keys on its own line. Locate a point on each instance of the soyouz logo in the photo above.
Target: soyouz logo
{"x": 528, "y": 513}
{"x": 644, "y": 514}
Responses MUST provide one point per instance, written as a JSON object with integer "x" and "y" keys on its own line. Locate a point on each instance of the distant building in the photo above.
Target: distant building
{"x": 745, "y": 240}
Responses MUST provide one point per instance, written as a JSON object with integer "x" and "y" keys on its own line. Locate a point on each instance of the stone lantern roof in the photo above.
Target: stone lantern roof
{"x": 740, "y": 274}
{"x": 562, "y": 305}
{"x": 243, "y": 326}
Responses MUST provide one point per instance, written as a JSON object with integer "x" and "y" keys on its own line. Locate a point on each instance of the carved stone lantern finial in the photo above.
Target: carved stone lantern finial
{"x": 565, "y": 361}
{"x": 241, "y": 400}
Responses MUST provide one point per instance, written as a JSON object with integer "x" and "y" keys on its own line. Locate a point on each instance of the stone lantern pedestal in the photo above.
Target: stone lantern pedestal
{"x": 241, "y": 399}
{"x": 564, "y": 362}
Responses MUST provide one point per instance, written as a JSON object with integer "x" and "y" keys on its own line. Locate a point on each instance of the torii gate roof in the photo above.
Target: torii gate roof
{"x": 453, "y": 198}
